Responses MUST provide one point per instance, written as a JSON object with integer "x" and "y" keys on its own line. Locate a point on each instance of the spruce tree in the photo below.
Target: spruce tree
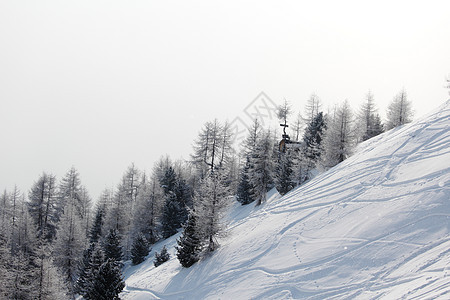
{"x": 112, "y": 247}
{"x": 95, "y": 257}
{"x": 96, "y": 230}
{"x": 284, "y": 172}
{"x": 262, "y": 168}
{"x": 139, "y": 249}
{"x": 170, "y": 217}
{"x": 176, "y": 194}
{"x": 244, "y": 190}
{"x": 312, "y": 148}
{"x": 84, "y": 270}
{"x": 107, "y": 282}
{"x": 161, "y": 257}
{"x": 189, "y": 243}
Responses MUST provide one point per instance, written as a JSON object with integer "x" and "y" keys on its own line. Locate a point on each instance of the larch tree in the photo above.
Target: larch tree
{"x": 339, "y": 138}
{"x": 312, "y": 108}
{"x": 211, "y": 200}
{"x": 44, "y": 207}
{"x": 69, "y": 244}
{"x": 119, "y": 215}
{"x": 297, "y": 127}
{"x": 369, "y": 122}
{"x": 213, "y": 148}
{"x": 399, "y": 111}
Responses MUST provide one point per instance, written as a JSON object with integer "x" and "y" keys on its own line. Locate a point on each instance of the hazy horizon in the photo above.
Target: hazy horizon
{"x": 99, "y": 85}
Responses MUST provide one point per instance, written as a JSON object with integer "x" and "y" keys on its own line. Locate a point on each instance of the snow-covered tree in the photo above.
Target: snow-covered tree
{"x": 189, "y": 243}
{"x": 103, "y": 278}
{"x": 70, "y": 191}
{"x": 69, "y": 244}
{"x": 112, "y": 246}
{"x": 85, "y": 269}
{"x": 175, "y": 192}
{"x": 369, "y": 122}
{"x": 262, "y": 167}
{"x": 213, "y": 147}
{"x": 297, "y": 127}
{"x": 161, "y": 257}
{"x": 210, "y": 203}
{"x": 284, "y": 111}
{"x": 146, "y": 210}
{"x": 399, "y": 111}
{"x": 139, "y": 249}
{"x": 339, "y": 138}
{"x": 284, "y": 172}
{"x": 107, "y": 282}
{"x": 119, "y": 214}
{"x": 44, "y": 207}
{"x": 93, "y": 258}
{"x": 95, "y": 231}
{"x": 311, "y": 148}
{"x": 312, "y": 108}
{"x": 244, "y": 190}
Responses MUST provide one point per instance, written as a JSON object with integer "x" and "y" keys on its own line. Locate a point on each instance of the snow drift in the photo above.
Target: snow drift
{"x": 375, "y": 226}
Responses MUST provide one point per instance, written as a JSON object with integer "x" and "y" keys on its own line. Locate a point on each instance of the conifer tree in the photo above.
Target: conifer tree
{"x": 312, "y": 148}
{"x": 161, "y": 257}
{"x": 244, "y": 190}
{"x": 147, "y": 208}
{"x": 262, "y": 167}
{"x": 139, "y": 249}
{"x": 312, "y": 108}
{"x": 369, "y": 122}
{"x": 85, "y": 270}
{"x": 108, "y": 282}
{"x": 210, "y": 202}
{"x": 189, "y": 243}
{"x": 170, "y": 216}
{"x": 284, "y": 172}
{"x": 93, "y": 259}
{"x": 96, "y": 230}
{"x": 339, "y": 138}
{"x": 213, "y": 148}
{"x": 70, "y": 241}
{"x": 112, "y": 247}
{"x": 44, "y": 207}
{"x": 399, "y": 111}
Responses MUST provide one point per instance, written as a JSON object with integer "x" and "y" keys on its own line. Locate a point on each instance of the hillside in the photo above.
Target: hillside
{"x": 375, "y": 226}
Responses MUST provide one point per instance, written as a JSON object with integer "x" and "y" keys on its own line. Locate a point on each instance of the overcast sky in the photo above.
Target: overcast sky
{"x": 101, "y": 84}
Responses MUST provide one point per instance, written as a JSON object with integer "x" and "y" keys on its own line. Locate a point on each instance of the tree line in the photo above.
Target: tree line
{"x": 56, "y": 244}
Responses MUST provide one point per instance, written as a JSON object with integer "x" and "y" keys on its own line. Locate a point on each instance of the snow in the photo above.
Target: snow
{"x": 375, "y": 226}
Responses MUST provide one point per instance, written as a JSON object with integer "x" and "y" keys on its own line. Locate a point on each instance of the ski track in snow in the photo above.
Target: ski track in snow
{"x": 377, "y": 226}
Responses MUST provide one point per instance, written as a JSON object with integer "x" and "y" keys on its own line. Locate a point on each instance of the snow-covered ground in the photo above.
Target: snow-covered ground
{"x": 375, "y": 226}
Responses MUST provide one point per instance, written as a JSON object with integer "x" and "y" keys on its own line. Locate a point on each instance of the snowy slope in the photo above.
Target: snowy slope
{"x": 375, "y": 226}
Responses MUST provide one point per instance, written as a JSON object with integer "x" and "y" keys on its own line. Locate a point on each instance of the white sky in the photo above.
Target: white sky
{"x": 92, "y": 84}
